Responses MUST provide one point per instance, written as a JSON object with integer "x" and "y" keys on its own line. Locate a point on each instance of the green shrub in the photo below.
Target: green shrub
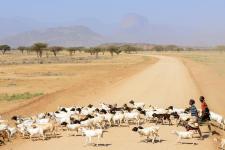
{"x": 19, "y": 96}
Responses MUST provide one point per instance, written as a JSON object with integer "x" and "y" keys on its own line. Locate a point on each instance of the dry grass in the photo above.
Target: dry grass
{"x": 82, "y": 77}
{"x": 47, "y": 78}
{"x": 208, "y": 71}
{"x": 213, "y": 59}
{"x": 16, "y": 57}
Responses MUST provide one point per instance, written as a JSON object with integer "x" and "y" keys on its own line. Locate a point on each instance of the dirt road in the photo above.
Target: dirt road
{"x": 165, "y": 83}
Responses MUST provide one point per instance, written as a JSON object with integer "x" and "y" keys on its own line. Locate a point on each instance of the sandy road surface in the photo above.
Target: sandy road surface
{"x": 165, "y": 83}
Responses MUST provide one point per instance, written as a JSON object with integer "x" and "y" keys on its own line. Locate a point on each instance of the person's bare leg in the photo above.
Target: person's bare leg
{"x": 200, "y": 133}
{"x": 210, "y": 129}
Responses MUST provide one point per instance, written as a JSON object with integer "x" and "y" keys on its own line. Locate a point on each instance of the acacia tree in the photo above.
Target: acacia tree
{"x": 103, "y": 49}
{"x": 80, "y": 49}
{"x": 112, "y": 49}
{"x": 4, "y": 48}
{"x": 55, "y": 49}
{"x": 89, "y": 50}
{"x": 72, "y": 50}
{"x": 128, "y": 49}
{"x": 117, "y": 51}
{"x": 95, "y": 50}
{"x": 172, "y": 48}
{"x": 29, "y": 49}
{"x": 39, "y": 48}
{"x": 22, "y": 48}
{"x": 158, "y": 48}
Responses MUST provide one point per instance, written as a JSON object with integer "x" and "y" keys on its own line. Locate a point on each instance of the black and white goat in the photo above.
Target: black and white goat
{"x": 148, "y": 132}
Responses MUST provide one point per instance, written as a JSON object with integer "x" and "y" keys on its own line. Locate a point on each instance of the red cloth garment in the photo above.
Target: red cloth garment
{"x": 204, "y": 106}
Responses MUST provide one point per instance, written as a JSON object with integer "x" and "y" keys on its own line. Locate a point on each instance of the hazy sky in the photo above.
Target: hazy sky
{"x": 182, "y": 12}
{"x": 192, "y": 22}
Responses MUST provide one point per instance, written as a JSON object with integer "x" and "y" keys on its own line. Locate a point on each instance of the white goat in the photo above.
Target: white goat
{"x": 41, "y": 116}
{"x": 62, "y": 117}
{"x": 3, "y": 126}
{"x": 74, "y": 127}
{"x": 218, "y": 118}
{"x": 132, "y": 116}
{"x": 87, "y": 111}
{"x": 148, "y": 115}
{"x": 104, "y": 106}
{"x": 178, "y": 110}
{"x": 118, "y": 118}
{"x": 148, "y": 132}
{"x": 42, "y": 121}
{"x": 12, "y": 131}
{"x": 35, "y": 131}
{"x": 137, "y": 105}
{"x": 87, "y": 123}
{"x": 92, "y": 133}
{"x": 184, "y": 135}
{"x": 108, "y": 118}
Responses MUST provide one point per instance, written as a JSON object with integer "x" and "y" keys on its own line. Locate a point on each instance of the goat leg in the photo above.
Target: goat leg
{"x": 153, "y": 139}
{"x": 98, "y": 140}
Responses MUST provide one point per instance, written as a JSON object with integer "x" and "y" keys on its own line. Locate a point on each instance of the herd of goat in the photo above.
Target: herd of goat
{"x": 92, "y": 121}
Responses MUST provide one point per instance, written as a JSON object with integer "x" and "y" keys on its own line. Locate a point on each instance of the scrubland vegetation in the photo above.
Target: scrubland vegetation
{"x": 19, "y": 96}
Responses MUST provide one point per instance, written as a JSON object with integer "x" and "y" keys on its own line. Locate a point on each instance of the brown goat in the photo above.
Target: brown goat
{"x": 4, "y": 135}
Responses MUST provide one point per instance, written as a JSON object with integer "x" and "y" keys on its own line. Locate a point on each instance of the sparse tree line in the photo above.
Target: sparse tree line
{"x": 221, "y": 47}
{"x": 43, "y": 48}
{"x": 168, "y": 48}
{"x": 177, "y": 48}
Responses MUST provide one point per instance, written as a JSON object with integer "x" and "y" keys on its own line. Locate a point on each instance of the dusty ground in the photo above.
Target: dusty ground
{"x": 208, "y": 71}
{"x": 66, "y": 83}
{"x": 169, "y": 81}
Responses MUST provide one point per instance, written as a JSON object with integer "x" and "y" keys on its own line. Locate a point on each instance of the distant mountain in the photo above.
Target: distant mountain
{"x": 12, "y": 26}
{"x": 96, "y": 25}
{"x": 62, "y": 36}
{"x": 139, "y": 29}
{"x": 132, "y": 28}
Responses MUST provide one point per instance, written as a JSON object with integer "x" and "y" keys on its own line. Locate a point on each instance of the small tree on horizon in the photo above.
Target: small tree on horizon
{"x": 128, "y": 49}
{"x": 4, "y": 48}
{"x": 72, "y": 50}
{"x": 22, "y": 48}
{"x": 55, "y": 49}
{"x": 158, "y": 48}
{"x": 95, "y": 51}
{"x": 39, "y": 48}
{"x": 112, "y": 49}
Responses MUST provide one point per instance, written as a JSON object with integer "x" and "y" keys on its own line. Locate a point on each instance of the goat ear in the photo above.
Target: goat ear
{"x": 14, "y": 118}
{"x": 140, "y": 127}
